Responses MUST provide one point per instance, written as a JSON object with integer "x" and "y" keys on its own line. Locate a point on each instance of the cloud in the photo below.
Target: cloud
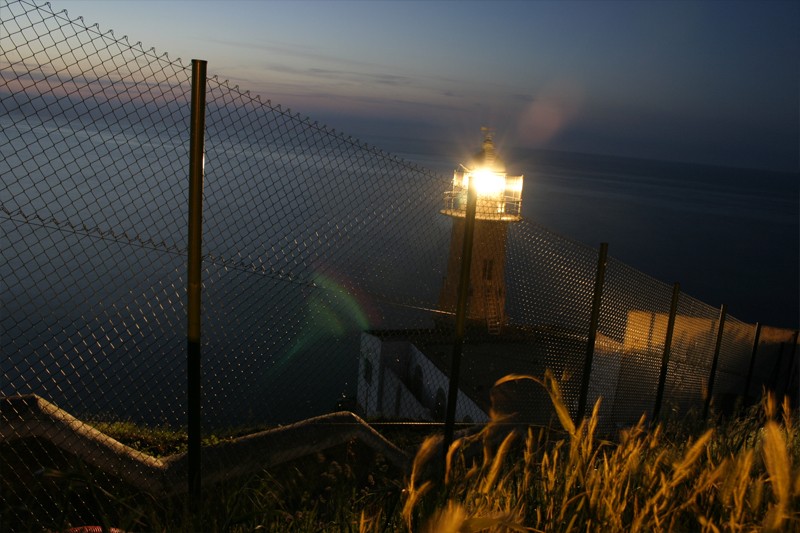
{"x": 290, "y": 51}
{"x": 356, "y": 71}
{"x": 338, "y": 75}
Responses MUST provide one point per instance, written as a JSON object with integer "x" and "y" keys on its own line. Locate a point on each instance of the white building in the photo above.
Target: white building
{"x": 396, "y": 380}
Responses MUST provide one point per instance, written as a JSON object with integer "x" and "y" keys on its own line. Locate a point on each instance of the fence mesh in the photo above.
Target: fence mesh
{"x": 328, "y": 271}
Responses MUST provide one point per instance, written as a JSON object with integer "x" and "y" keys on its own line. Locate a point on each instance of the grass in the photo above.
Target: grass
{"x": 741, "y": 476}
{"x": 161, "y": 441}
{"x": 738, "y": 475}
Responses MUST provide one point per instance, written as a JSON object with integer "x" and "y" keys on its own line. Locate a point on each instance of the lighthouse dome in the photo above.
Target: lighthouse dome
{"x": 487, "y": 157}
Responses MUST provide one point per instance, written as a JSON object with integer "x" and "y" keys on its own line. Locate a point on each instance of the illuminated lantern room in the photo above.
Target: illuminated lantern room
{"x": 499, "y": 199}
{"x": 499, "y": 195}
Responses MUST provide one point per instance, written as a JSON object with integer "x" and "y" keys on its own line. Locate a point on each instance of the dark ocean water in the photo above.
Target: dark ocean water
{"x": 84, "y": 311}
{"x": 727, "y": 235}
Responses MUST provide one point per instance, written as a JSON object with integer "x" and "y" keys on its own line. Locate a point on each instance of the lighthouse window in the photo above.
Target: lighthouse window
{"x": 368, "y": 371}
{"x": 416, "y": 382}
{"x": 398, "y": 396}
{"x": 487, "y": 269}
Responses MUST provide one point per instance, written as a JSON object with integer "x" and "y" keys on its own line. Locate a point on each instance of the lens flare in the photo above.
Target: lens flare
{"x": 332, "y": 311}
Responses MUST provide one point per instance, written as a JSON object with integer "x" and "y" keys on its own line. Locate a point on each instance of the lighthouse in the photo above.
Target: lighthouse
{"x": 402, "y": 372}
{"x": 499, "y": 199}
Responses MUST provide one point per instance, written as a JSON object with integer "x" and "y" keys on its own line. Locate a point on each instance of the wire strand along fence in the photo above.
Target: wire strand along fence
{"x": 323, "y": 267}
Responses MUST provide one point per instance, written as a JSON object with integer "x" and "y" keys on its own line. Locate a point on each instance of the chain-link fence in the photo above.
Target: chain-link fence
{"x": 329, "y": 274}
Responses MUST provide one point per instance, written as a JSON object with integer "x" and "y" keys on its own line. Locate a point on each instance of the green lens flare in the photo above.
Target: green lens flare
{"x": 331, "y": 312}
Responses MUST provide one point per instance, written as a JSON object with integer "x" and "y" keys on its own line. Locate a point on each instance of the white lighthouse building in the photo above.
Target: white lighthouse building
{"x": 403, "y": 375}
{"x": 499, "y": 198}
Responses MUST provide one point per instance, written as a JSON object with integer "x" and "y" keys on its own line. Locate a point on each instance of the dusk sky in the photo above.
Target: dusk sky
{"x": 711, "y": 81}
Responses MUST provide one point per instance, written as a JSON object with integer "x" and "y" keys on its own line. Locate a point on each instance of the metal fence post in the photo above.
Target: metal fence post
{"x": 749, "y": 380}
{"x": 196, "y": 156}
{"x": 662, "y": 378}
{"x": 710, "y": 389}
{"x": 599, "y": 280}
{"x": 461, "y": 313}
{"x": 790, "y": 372}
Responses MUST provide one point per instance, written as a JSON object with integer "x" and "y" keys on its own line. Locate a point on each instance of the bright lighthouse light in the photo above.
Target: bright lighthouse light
{"x": 487, "y": 183}
{"x": 499, "y": 195}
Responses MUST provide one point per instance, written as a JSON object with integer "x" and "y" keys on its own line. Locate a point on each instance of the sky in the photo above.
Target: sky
{"x": 713, "y": 82}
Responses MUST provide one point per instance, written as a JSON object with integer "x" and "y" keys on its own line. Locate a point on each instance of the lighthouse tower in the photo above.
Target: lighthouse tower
{"x": 499, "y": 199}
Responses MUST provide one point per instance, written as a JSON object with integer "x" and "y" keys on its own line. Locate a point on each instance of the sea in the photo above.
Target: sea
{"x": 93, "y": 314}
{"x": 728, "y": 235}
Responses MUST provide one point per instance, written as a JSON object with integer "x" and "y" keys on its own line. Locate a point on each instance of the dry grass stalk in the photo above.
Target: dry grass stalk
{"x": 645, "y": 481}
